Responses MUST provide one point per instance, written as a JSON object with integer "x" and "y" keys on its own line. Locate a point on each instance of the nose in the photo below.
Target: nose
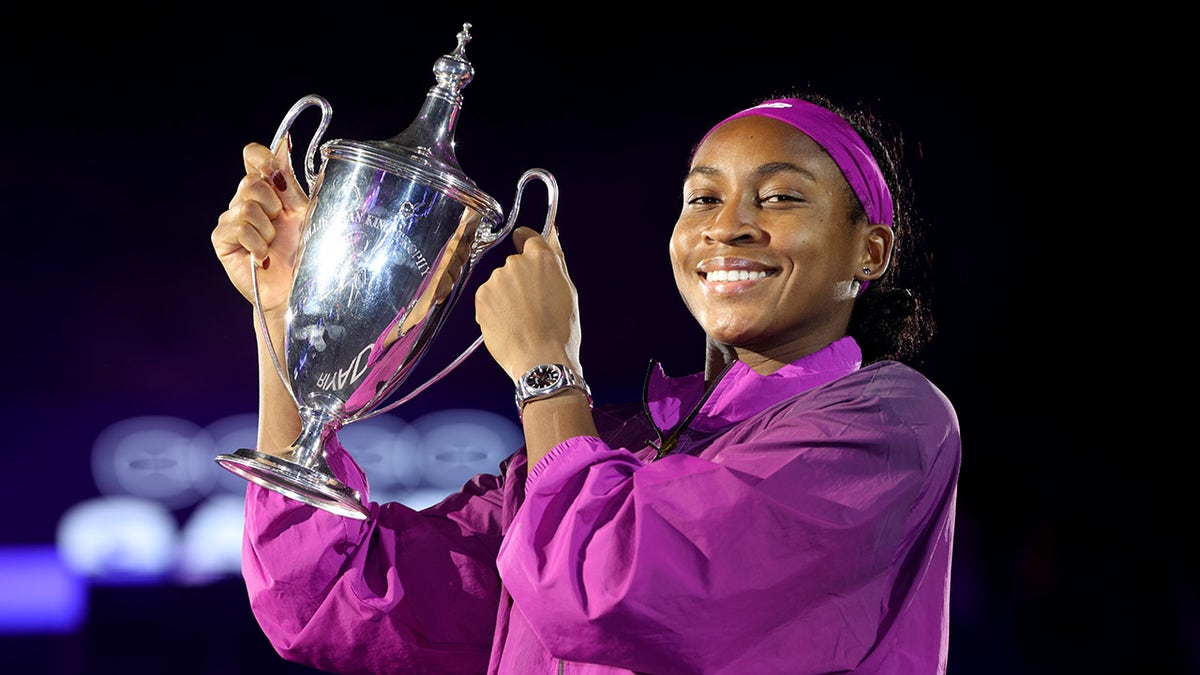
{"x": 736, "y": 222}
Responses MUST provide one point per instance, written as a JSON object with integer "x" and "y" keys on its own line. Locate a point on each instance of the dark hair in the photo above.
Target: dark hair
{"x": 892, "y": 318}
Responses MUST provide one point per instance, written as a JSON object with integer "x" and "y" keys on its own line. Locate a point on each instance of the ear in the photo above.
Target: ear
{"x": 877, "y": 252}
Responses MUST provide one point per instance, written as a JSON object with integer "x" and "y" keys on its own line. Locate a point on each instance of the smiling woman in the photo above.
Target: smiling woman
{"x": 789, "y": 509}
{"x": 781, "y": 232}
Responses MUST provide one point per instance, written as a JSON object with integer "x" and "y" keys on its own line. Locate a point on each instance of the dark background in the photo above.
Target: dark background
{"x": 123, "y": 131}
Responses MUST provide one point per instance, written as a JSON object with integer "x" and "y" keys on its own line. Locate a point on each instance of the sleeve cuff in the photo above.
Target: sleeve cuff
{"x": 557, "y": 451}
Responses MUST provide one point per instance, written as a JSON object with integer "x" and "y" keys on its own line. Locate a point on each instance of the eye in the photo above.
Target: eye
{"x": 781, "y": 198}
{"x": 700, "y": 197}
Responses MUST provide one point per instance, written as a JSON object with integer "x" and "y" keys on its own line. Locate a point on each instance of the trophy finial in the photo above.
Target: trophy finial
{"x": 453, "y": 71}
{"x": 430, "y": 136}
{"x": 464, "y": 36}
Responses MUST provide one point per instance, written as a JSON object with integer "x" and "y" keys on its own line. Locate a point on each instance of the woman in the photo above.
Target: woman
{"x": 790, "y": 509}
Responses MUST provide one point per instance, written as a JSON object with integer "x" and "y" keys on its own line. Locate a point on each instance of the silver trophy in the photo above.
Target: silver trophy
{"x": 394, "y": 229}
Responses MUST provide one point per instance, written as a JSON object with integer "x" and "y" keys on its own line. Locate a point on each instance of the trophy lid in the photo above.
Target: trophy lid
{"x": 424, "y": 151}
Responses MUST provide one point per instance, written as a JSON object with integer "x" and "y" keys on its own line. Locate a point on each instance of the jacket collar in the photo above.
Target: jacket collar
{"x": 740, "y": 393}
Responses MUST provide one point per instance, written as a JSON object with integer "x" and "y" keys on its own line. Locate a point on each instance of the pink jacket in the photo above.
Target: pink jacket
{"x": 803, "y": 523}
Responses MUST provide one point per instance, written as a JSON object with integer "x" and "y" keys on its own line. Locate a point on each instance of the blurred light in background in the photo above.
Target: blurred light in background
{"x": 169, "y": 514}
{"x": 119, "y": 540}
{"x": 161, "y": 459}
{"x": 387, "y": 449}
{"x": 210, "y": 546}
{"x": 458, "y": 444}
{"x": 38, "y": 592}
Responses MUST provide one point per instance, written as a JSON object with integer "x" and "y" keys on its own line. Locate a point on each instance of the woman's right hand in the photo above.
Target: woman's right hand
{"x": 262, "y": 224}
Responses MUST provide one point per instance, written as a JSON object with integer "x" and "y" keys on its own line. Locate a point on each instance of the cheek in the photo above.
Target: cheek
{"x": 676, "y": 242}
{"x": 677, "y": 250}
{"x": 680, "y": 267}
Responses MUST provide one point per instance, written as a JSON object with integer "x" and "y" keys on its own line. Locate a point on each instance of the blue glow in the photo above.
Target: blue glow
{"x": 150, "y": 467}
{"x": 164, "y": 459}
{"x": 210, "y": 546}
{"x": 38, "y": 593}
{"x": 119, "y": 540}
{"x": 459, "y": 443}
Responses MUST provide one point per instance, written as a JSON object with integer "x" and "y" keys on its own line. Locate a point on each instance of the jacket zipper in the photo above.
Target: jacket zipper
{"x": 663, "y": 447}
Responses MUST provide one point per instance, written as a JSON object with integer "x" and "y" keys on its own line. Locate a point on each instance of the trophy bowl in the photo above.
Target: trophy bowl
{"x": 393, "y": 230}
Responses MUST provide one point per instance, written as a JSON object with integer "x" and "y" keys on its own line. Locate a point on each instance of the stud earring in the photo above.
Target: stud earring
{"x": 866, "y": 270}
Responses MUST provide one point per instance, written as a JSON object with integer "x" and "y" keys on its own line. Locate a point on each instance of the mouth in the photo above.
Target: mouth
{"x": 729, "y": 275}
{"x": 717, "y": 276}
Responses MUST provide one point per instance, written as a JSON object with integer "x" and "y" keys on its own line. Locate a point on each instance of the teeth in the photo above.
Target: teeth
{"x": 735, "y": 275}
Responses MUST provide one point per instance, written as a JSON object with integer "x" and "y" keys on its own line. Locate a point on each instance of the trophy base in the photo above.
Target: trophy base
{"x": 301, "y": 483}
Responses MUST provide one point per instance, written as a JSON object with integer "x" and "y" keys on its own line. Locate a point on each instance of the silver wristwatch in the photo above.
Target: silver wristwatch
{"x": 546, "y": 380}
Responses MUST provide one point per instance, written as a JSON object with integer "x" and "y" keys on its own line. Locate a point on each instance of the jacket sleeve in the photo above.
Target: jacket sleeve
{"x": 794, "y": 534}
{"x": 402, "y": 591}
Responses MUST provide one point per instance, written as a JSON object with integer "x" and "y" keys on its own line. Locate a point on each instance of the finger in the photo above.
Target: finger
{"x": 284, "y": 178}
{"x": 258, "y": 160}
{"x": 244, "y": 227}
{"x": 255, "y": 244}
{"x": 254, "y": 188}
{"x": 552, "y": 239}
{"x": 521, "y": 235}
{"x": 275, "y": 168}
{"x": 555, "y": 246}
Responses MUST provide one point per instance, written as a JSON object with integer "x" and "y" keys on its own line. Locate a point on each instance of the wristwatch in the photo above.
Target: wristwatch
{"x": 546, "y": 380}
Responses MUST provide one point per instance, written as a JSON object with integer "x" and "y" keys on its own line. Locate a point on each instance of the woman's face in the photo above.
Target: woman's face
{"x": 763, "y": 252}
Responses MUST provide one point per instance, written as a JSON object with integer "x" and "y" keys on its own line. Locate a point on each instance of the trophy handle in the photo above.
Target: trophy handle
{"x": 485, "y": 240}
{"x": 310, "y": 175}
{"x": 310, "y": 163}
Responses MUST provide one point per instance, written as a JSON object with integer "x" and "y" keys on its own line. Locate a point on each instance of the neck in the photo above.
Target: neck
{"x": 717, "y": 358}
{"x": 763, "y": 361}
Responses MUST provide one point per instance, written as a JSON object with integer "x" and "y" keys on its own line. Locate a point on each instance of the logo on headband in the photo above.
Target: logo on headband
{"x": 775, "y": 104}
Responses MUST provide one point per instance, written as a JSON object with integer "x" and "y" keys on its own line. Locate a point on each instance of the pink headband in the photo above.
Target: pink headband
{"x": 841, "y": 141}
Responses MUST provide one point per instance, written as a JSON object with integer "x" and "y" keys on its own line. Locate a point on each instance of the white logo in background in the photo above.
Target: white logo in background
{"x": 150, "y": 468}
{"x": 163, "y": 459}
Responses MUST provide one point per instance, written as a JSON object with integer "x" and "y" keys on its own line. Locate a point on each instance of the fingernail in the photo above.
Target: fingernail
{"x": 279, "y": 181}
{"x": 266, "y": 263}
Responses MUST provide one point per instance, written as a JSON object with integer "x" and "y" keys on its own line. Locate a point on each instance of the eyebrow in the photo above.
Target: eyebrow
{"x": 768, "y": 169}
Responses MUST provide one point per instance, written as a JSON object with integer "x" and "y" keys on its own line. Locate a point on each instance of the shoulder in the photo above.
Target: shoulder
{"x": 889, "y": 386}
{"x": 904, "y": 385}
{"x": 887, "y": 402}
{"x": 907, "y": 402}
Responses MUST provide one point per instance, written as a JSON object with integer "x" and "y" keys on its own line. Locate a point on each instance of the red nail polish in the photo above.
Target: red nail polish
{"x": 266, "y": 262}
{"x": 279, "y": 181}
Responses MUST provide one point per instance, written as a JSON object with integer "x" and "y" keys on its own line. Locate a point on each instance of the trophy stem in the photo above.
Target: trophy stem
{"x": 306, "y": 476}
{"x": 309, "y": 447}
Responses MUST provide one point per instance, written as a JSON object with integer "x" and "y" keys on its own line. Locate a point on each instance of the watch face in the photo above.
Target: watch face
{"x": 542, "y": 377}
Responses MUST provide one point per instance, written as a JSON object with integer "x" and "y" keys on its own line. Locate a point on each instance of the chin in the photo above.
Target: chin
{"x": 733, "y": 338}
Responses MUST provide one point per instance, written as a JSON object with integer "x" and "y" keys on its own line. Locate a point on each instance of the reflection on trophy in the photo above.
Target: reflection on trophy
{"x": 394, "y": 229}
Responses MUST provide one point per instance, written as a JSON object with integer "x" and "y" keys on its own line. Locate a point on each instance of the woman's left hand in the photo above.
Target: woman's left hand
{"x": 528, "y": 309}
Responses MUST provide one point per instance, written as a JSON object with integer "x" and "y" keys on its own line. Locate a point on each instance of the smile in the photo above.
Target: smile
{"x": 735, "y": 275}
